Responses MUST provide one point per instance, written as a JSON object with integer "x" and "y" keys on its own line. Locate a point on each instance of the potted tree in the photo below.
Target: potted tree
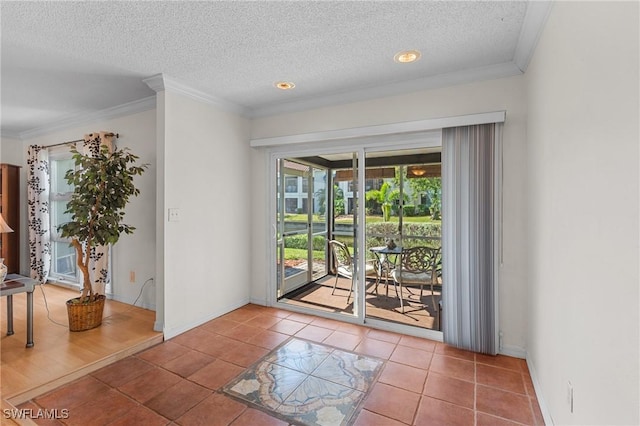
{"x": 103, "y": 184}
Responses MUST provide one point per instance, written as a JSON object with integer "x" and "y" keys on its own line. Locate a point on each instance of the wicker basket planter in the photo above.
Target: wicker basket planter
{"x": 85, "y": 316}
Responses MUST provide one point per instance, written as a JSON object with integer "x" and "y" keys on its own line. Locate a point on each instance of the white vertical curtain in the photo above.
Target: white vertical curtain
{"x": 38, "y": 178}
{"x": 99, "y": 257}
{"x": 468, "y": 224}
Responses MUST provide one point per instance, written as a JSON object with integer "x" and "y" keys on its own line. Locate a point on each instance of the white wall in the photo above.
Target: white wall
{"x": 207, "y": 253}
{"x": 135, "y": 252}
{"x": 504, "y": 94}
{"x": 583, "y": 189}
{"x": 261, "y": 232}
{"x": 11, "y": 151}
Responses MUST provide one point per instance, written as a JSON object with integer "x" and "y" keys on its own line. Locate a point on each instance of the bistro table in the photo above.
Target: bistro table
{"x": 14, "y": 284}
{"x": 384, "y": 265}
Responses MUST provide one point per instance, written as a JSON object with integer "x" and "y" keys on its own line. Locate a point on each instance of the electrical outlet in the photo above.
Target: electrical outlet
{"x": 570, "y": 396}
{"x": 132, "y": 276}
{"x": 174, "y": 215}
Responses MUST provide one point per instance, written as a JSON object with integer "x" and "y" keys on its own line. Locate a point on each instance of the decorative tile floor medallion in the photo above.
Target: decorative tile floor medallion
{"x": 308, "y": 383}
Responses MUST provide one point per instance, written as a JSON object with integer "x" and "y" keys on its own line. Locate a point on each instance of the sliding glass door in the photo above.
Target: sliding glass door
{"x": 301, "y": 224}
{"x": 361, "y": 201}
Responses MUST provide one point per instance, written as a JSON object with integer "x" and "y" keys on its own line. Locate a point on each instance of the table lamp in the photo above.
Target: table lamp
{"x": 3, "y": 268}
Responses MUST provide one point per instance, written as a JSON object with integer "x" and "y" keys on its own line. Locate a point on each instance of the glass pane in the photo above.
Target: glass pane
{"x": 58, "y": 170}
{"x": 302, "y": 230}
{"x": 319, "y": 211}
{"x": 64, "y": 261}
{"x": 291, "y": 184}
{"x": 293, "y": 242}
{"x": 403, "y": 204}
{"x": 58, "y": 216}
{"x": 318, "y": 222}
{"x": 421, "y": 209}
{"x": 295, "y": 261}
{"x": 381, "y": 200}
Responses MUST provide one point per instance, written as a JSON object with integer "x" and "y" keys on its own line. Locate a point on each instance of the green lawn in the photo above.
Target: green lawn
{"x": 292, "y": 254}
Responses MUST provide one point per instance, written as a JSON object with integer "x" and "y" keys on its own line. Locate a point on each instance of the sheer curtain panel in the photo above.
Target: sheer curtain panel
{"x": 468, "y": 237}
{"x": 38, "y": 178}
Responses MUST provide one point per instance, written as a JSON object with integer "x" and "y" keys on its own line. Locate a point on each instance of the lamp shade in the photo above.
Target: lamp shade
{"x": 3, "y": 225}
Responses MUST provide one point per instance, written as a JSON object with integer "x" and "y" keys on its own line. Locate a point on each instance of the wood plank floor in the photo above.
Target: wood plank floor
{"x": 60, "y": 356}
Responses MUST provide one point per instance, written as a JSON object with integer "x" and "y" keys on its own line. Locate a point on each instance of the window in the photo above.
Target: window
{"x": 291, "y": 205}
{"x": 63, "y": 256}
{"x": 373, "y": 184}
{"x": 291, "y": 184}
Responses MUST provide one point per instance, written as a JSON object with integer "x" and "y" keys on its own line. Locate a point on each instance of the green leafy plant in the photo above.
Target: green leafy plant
{"x": 433, "y": 188}
{"x": 103, "y": 184}
{"x": 382, "y": 196}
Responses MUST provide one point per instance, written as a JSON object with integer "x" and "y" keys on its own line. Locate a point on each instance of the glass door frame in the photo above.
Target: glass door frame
{"x": 361, "y": 146}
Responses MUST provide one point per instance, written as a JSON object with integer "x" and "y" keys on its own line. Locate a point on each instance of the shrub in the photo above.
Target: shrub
{"x": 390, "y": 230}
{"x": 409, "y": 210}
{"x": 300, "y": 242}
{"x": 422, "y": 210}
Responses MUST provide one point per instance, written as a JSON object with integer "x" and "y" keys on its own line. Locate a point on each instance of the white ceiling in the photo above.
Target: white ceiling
{"x": 68, "y": 59}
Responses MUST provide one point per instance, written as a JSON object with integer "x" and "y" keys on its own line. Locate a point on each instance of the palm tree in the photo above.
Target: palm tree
{"x": 382, "y": 196}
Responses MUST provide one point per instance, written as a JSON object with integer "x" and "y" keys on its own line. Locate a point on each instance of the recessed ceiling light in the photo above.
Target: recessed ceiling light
{"x": 407, "y": 56}
{"x": 284, "y": 85}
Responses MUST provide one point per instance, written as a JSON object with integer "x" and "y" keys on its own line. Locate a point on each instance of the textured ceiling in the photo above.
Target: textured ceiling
{"x": 61, "y": 59}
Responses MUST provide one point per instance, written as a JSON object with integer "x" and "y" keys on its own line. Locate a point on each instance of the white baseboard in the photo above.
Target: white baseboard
{"x": 261, "y": 302}
{"x": 129, "y": 301}
{"x": 546, "y": 415}
{"x": 514, "y": 351}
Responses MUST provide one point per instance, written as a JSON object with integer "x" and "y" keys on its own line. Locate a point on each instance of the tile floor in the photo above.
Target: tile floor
{"x": 308, "y": 383}
{"x": 193, "y": 379}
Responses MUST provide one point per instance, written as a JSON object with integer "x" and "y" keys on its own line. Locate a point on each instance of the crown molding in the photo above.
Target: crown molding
{"x": 129, "y": 108}
{"x": 535, "y": 19}
{"x": 162, "y": 82}
{"x": 155, "y": 82}
{"x": 491, "y": 72}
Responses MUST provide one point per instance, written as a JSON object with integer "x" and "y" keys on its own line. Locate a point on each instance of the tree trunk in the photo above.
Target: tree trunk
{"x": 83, "y": 264}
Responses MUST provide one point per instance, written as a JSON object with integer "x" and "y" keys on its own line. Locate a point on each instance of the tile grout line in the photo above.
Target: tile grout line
{"x": 396, "y": 344}
{"x": 361, "y": 337}
{"x": 332, "y": 349}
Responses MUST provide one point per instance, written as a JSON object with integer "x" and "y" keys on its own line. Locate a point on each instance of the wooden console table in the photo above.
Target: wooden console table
{"x": 14, "y": 284}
